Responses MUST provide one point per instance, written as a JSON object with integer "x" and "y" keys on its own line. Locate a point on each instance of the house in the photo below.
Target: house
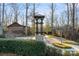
{"x": 16, "y": 30}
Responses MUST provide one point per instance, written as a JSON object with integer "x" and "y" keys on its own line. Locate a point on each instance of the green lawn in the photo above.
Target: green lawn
{"x": 50, "y": 36}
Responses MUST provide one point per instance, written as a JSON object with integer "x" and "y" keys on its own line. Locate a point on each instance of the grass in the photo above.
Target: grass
{"x": 50, "y": 36}
{"x": 70, "y": 42}
{"x": 77, "y": 54}
{"x": 62, "y": 45}
{"x": 68, "y": 53}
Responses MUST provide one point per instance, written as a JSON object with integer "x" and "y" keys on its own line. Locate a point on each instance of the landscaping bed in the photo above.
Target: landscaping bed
{"x": 62, "y": 45}
{"x": 70, "y": 42}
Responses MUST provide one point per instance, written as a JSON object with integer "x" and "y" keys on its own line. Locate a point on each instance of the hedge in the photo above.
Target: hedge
{"x": 51, "y": 51}
{"x": 27, "y": 48}
{"x": 22, "y": 47}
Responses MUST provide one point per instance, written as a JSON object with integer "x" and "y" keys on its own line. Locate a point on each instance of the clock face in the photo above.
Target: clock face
{"x": 39, "y": 21}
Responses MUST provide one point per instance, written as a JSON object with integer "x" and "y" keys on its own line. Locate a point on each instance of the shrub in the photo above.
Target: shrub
{"x": 67, "y": 53}
{"x": 51, "y": 51}
{"x": 21, "y": 47}
{"x": 2, "y": 36}
{"x": 27, "y": 48}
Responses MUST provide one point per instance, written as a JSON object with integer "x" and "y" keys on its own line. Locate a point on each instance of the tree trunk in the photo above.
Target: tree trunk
{"x": 73, "y": 15}
{"x": 2, "y": 25}
{"x": 68, "y": 14}
{"x": 33, "y": 20}
{"x": 0, "y": 14}
{"x": 26, "y": 18}
{"x": 52, "y": 17}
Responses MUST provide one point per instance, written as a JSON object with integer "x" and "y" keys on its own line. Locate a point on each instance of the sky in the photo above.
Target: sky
{"x": 45, "y": 9}
{"x": 41, "y": 8}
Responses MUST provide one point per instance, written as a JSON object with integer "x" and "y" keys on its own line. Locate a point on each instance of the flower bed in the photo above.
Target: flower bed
{"x": 70, "y": 42}
{"x": 61, "y": 45}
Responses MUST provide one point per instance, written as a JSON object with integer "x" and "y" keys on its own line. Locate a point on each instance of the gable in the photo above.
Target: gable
{"x": 15, "y": 24}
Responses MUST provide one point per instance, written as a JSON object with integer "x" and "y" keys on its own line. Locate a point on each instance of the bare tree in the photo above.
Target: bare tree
{"x": 33, "y": 12}
{"x": 15, "y": 11}
{"x": 76, "y": 16}
{"x": 0, "y": 14}
{"x": 33, "y": 21}
{"x": 3, "y": 6}
{"x": 34, "y": 9}
{"x": 68, "y": 13}
{"x": 52, "y": 16}
{"x": 26, "y": 18}
{"x": 72, "y": 14}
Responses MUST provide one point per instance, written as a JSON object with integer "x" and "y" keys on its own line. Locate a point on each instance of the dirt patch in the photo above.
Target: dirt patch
{"x": 7, "y": 54}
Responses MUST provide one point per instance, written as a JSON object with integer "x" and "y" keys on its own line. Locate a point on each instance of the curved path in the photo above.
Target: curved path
{"x": 59, "y": 39}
